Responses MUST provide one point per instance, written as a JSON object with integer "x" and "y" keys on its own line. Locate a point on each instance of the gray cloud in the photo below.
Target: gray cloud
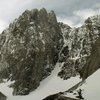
{"x": 68, "y": 11}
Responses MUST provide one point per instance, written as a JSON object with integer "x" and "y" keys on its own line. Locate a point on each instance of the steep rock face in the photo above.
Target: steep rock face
{"x": 33, "y": 43}
{"x": 80, "y": 53}
{"x": 93, "y": 61}
{"x": 59, "y": 96}
{"x": 79, "y": 42}
{"x": 2, "y": 96}
{"x": 29, "y": 49}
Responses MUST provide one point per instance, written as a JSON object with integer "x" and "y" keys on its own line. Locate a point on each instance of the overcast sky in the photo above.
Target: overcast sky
{"x": 72, "y": 12}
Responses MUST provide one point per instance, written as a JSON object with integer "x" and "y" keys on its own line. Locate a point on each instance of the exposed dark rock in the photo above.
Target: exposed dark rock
{"x": 52, "y": 97}
{"x": 29, "y": 49}
{"x": 93, "y": 61}
{"x": 80, "y": 56}
{"x": 31, "y": 46}
{"x": 2, "y": 96}
{"x": 59, "y": 97}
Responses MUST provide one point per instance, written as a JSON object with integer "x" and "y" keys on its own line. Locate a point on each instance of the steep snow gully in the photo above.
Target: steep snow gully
{"x": 51, "y": 85}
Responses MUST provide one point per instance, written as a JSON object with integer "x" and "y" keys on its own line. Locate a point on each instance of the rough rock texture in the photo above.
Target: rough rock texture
{"x": 59, "y": 97}
{"x": 2, "y": 96}
{"x": 31, "y": 46}
{"x": 29, "y": 49}
{"x": 93, "y": 61}
{"x": 78, "y": 51}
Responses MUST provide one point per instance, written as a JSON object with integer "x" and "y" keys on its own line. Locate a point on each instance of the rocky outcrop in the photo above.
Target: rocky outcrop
{"x": 93, "y": 61}
{"x": 2, "y": 96}
{"x": 32, "y": 45}
{"x": 59, "y": 97}
{"x": 29, "y": 49}
{"x": 79, "y": 47}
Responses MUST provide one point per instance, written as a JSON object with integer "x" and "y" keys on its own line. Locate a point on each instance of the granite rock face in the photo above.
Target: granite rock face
{"x": 59, "y": 97}
{"x": 2, "y": 96}
{"x": 93, "y": 61}
{"x": 80, "y": 53}
{"x": 29, "y": 49}
{"x": 78, "y": 49}
{"x": 32, "y": 45}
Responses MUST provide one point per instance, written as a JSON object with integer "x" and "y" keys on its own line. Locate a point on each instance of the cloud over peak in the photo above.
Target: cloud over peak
{"x": 71, "y": 12}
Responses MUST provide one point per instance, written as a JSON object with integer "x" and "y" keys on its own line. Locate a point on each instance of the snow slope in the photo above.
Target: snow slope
{"x": 91, "y": 89}
{"x": 51, "y": 85}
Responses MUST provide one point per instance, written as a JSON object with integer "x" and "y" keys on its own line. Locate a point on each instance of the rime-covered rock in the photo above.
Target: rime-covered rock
{"x": 93, "y": 61}
{"x": 32, "y": 45}
{"x": 78, "y": 44}
{"x": 29, "y": 49}
{"x": 80, "y": 54}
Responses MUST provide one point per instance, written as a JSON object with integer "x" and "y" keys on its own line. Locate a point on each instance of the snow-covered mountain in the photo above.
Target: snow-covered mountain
{"x": 80, "y": 53}
{"x": 51, "y": 85}
{"x": 78, "y": 45}
{"x": 29, "y": 49}
{"x": 35, "y": 44}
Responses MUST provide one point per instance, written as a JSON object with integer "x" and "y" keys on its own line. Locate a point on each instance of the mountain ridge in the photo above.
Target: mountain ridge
{"x": 32, "y": 45}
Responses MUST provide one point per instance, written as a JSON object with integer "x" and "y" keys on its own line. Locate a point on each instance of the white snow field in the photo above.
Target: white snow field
{"x": 51, "y": 85}
{"x": 91, "y": 88}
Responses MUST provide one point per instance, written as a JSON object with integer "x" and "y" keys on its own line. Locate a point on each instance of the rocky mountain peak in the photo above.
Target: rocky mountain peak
{"x": 32, "y": 45}
{"x": 78, "y": 46}
{"x": 29, "y": 49}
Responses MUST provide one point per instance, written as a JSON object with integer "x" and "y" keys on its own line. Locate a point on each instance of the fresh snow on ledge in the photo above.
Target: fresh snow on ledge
{"x": 51, "y": 85}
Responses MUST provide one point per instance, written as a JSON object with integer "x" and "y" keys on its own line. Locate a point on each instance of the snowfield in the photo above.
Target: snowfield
{"x": 51, "y": 85}
{"x": 91, "y": 88}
